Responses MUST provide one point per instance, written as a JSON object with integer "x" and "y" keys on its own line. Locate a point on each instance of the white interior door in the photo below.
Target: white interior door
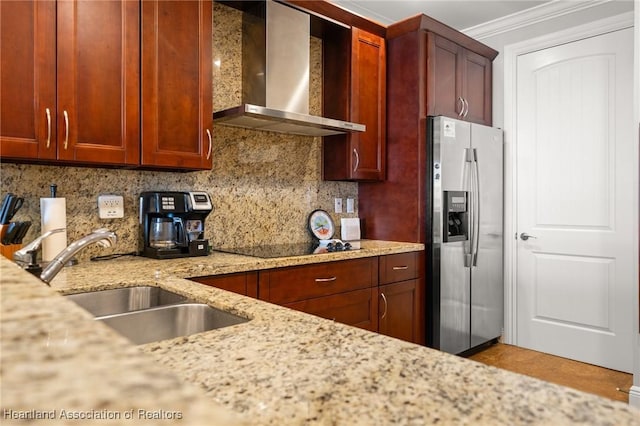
{"x": 577, "y": 195}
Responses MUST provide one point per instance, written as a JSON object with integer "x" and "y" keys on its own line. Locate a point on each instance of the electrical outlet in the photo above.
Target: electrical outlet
{"x": 338, "y": 205}
{"x": 110, "y": 206}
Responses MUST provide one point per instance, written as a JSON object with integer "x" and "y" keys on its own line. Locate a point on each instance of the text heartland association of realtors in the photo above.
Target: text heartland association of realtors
{"x": 140, "y": 414}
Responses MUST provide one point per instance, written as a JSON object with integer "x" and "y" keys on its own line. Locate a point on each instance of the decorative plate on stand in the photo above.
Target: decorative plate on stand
{"x": 320, "y": 225}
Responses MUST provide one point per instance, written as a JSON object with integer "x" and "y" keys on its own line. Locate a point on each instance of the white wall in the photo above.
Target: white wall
{"x": 499, "y": 39}
{"x": 634, "y": 397}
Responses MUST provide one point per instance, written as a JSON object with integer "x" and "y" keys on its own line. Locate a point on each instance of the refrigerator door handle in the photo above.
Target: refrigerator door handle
{"x": 468, "y": 254}
{"x": 476, "y": 210}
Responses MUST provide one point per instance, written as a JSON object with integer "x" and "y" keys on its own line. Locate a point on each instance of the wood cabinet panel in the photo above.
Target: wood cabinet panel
{"x": 285, "y": 285}
{"x": 400, "y": 311}
{"x": 459, "y": 82}
{"x": 98, "y": 75}
{"x": 78, "y": 68}
{"x": 177, "y": 77}
{"x": 361, "y": 88}
{"x": 358, "y": 308}
{"x": 28, "y": 79}
{"x": 477, "y": 87}
{"x": 398, "y": 267}
{"x": 445, "y": 82}
{"x": 245, "y": 283}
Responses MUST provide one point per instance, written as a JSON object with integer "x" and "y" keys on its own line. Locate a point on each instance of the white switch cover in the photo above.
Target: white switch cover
{"x": 350, "y": 205}
{"x": 110, "y": 206}
{"x": 338, "y": 205}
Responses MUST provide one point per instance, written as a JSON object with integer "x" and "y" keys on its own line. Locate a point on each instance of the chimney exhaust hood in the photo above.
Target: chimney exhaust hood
{"x": 275, "y": 76}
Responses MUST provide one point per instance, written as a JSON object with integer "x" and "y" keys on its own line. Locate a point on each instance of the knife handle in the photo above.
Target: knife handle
{"x": 7, "y": 250}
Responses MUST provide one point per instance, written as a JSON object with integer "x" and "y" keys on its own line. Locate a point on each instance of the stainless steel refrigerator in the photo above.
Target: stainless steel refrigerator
{"x": 465, "y": 246}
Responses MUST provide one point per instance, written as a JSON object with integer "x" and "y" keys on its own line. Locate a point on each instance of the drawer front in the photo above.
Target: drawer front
{"x": 285, "y": 285}
{"x": 358, "y": 308}
{"x": 398, "y": 267}
{"x": 245, "y": 283}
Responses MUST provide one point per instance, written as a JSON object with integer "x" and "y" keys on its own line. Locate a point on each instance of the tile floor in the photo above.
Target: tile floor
{"x": 566, "y": 372}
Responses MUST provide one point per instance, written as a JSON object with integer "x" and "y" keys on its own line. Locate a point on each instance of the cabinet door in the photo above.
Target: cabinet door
{"x": 98, "y": 80}
{"x": 368, "y": 105}
{"x": 357, "y": 308}
{"x": 444, "y": 91}
{"x": 477, "y": 87}
{"x": 177, "y": 104}
{"x": 359, "y": 155}
{"x": 399, "y": 310}
{"x": 245, "y": 283}
{"x": 27, "y": 79}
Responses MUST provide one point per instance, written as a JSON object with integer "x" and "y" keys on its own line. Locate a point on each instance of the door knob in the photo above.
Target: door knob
{"x": 524, "y": 236}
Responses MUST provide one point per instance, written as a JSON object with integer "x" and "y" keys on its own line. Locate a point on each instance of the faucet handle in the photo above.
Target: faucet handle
{"x": 23, "y": 254}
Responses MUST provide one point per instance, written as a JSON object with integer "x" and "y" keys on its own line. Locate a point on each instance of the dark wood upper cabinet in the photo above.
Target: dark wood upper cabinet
{"x": 459, "y": 84}
{"x": 28, "y": 79}
{"x": 70, "y": 79}
{"x": 177, "y": 103}
{"x": 356, "y": 93}
{"x": 98, "y": 74}
{"x": 81, "y": 84}
{"x": 430, "y": 66}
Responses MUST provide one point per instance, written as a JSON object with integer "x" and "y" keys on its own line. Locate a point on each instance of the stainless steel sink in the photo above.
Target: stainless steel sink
{"x": 128, "y": 299}
{"x": 167, "y": 322}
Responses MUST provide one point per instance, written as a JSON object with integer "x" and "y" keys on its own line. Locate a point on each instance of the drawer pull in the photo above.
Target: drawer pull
{"x": 324, "y": 280}
{"x": 400, "y": 268}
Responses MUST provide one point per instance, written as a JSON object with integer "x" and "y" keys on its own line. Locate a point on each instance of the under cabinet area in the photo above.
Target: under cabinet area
{"x": 111, "y": 83}
{"x": 379, "y": 293}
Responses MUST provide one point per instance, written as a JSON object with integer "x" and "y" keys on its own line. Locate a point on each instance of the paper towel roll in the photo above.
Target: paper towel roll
{"x": 53, "y": 214}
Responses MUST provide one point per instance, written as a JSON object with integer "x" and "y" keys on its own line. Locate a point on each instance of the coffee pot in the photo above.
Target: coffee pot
{"x": 172, "y": 224}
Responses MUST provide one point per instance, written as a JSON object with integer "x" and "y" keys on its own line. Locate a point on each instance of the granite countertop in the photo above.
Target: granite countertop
{"x": 281, "y": 367}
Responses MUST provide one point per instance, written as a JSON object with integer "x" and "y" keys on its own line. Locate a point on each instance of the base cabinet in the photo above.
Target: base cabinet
{"x": 245, "y": 283}
{"x": 358, "y": 308}
{"x": 399, "y": 311}
{"x": 381, "y": 294}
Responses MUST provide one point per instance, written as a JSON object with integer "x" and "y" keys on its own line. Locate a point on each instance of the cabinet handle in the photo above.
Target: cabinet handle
{"x": 324, "y": 280}
{"x": 466, "y": 107}
{"x": 210, "y": 144}
{"x": 384, "y": 298}
{"x": 400, "y": 268}
{"x": 48, "y": 112}
{"x": 461, "y": 113}
{"x": 357, "y": 163}
{"x": 66, "y": 127}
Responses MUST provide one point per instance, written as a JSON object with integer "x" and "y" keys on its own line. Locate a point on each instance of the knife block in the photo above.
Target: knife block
{"x": 7, "y": 250}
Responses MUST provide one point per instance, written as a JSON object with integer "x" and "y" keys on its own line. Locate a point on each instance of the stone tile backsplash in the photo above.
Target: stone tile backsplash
{"x": 263, "y": 185}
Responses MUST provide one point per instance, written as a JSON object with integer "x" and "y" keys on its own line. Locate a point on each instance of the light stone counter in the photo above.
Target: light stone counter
{"x": 281, "y": 367}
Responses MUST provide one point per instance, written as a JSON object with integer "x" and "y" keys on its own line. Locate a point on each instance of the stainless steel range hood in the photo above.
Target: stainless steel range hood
{"x": 275, "y": 76}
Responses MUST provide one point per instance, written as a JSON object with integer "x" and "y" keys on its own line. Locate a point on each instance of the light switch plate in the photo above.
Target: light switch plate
{"x": 338, "y": 205}
{"x": 110, "y": 206}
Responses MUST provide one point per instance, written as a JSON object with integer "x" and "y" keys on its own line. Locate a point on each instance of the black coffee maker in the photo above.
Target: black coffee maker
{"x": 172, "y": 224}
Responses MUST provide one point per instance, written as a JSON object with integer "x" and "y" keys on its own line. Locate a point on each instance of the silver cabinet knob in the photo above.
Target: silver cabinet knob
{"x": 524, "y": 236}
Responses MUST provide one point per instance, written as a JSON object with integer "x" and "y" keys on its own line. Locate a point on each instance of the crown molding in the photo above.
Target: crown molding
{"x": 527, "y": 17}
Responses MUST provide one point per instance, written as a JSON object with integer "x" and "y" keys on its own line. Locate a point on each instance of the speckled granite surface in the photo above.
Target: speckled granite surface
{"x": 281, "y": 367}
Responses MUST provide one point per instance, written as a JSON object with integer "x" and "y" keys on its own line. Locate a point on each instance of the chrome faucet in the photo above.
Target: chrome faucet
{"x": 28, "y": 253}
{"x": 102, "y": 237}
